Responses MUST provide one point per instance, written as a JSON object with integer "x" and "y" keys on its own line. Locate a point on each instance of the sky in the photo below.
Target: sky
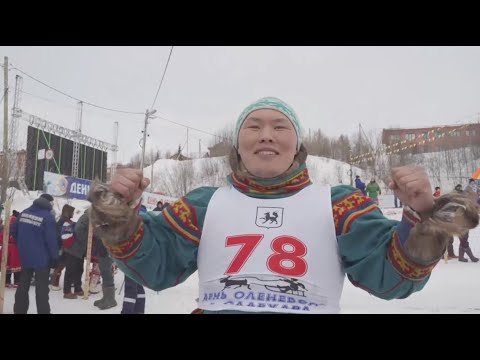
{"x": 331, "y": 88}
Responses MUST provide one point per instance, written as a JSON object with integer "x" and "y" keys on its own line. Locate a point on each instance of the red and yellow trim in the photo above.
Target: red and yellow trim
{"x": 347, "y": 209}
{"x": 126, "y": 249}
{"x": 183, "y": 219}
{"x": 294, "y": 184}
{"x": 404, "y": 265}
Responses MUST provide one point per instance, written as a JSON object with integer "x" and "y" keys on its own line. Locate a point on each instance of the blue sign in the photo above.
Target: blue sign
{"x": 78, "y": 188}
{"x": 68, "y": 186}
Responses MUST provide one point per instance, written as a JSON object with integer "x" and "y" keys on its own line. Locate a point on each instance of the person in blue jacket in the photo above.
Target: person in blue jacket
{"x": 271, "y": 240}
{"x": 360, "y": 185}
{"x": 36, "y": 237}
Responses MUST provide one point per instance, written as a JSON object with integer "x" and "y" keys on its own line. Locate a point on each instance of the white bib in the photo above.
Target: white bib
{"x": 270, "y": 255}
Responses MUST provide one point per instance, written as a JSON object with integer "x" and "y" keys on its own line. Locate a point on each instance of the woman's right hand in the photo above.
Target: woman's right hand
{"x": 112, "y": 215}
{"x": 129, "y": 183}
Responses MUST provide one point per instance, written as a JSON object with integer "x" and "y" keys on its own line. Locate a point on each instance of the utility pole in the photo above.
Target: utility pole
{"x": 148, "y": 114}
{"x": 114, "y": 157}
{"x": 16, "y": 172}
{"x": 76, "y": 144}
{"x": 151, "y": 177}
{"x": 351, "y": 169}
{"x": 3, "y": 195}
{"x": 199, "y": 148}
{"x": 187, "y": 142}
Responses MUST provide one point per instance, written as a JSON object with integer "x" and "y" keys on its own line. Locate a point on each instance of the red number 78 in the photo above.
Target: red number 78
{"x": 275, "y": 261}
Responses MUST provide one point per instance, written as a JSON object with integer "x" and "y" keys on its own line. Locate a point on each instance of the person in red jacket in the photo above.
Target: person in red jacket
{"x": 13, "y": 259}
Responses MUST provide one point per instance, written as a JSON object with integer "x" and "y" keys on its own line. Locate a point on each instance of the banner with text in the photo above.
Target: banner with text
{"x": 63, "y": 185}
{"x": 150, "y": 200}
{"x": 76, "y": 188}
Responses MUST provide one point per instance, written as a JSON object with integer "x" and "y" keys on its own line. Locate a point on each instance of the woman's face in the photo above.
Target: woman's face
{"x": 267, "y": 143}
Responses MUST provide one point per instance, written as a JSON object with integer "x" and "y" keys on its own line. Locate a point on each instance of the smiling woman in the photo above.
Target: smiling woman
{"x": 267, "y": 143}
{"x": 271, "y": 241}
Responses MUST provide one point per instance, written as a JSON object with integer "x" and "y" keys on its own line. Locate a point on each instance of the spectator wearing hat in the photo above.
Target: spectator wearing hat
{"x": 360, "y": 185}
{"x": 159, "y": 206}
{"x": 373, "y": 190}
{"x": 464, "y": 247}
{"x": 65, "y": 217}
{"x": 35, "y": 234}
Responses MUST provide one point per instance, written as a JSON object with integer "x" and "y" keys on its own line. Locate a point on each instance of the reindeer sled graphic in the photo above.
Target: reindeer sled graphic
{"x": 294, "y": 287}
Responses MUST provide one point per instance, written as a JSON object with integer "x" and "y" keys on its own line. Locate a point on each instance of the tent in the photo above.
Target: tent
{"x": 476, "y": 175}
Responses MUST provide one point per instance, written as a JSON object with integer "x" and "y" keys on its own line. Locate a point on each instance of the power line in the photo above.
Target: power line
{"x": 6, "y": 90}
{"x": 49, "y": 100}
{"x": 77, "y": 99}
{"x": 161, "y": 81}
{"x": 155, "y": 117}
{"x": 68, "y": 105}
{"x": 186, "y": 126}
{"x": 115, "y": 110}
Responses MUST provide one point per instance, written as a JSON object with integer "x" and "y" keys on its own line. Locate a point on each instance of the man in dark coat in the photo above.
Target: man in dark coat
{"x": 75, "y": 249}
{"x": 36, "y": 238}
{"x": 67, "y": 215}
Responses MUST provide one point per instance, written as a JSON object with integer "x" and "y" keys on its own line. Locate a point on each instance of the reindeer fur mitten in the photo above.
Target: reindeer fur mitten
{"x": 452, "y": 214}
{"x": 113, "y": 219}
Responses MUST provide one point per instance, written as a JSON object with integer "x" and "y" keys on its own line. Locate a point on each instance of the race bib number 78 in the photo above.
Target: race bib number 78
{"x": 287, "y": 257}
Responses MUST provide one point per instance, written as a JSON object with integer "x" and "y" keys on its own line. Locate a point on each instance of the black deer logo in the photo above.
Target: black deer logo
{"x": 271, "y": 218}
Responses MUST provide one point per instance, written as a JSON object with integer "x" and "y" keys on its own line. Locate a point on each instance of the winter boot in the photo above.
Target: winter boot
{"x": 451, "y": 253}
{"x": 461, "y": 254}
{"x": 55, "y": 280}
{"x": 70, "y": 295}
{"x": 468, "y": 251}
{"x": 108, "y": 300}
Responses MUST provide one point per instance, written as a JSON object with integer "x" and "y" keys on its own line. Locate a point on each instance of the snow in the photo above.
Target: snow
{"x": 451, "y": 289}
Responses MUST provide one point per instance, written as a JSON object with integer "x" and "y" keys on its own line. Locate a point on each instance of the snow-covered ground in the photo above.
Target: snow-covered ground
{"x": 453, "y": 288}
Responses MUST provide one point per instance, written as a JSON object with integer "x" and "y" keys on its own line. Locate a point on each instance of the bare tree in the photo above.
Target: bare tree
{"x": 213, "y": 171}
{"x": 179, "y": 180}
{"x": 222, "y": 142}
{"x": 135, "y": 160}
{"x": 342, "y": 148}
{"x": 318, "y": 144}
{"x": 151, "y": 156}
{"x": 339, "y": 173}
